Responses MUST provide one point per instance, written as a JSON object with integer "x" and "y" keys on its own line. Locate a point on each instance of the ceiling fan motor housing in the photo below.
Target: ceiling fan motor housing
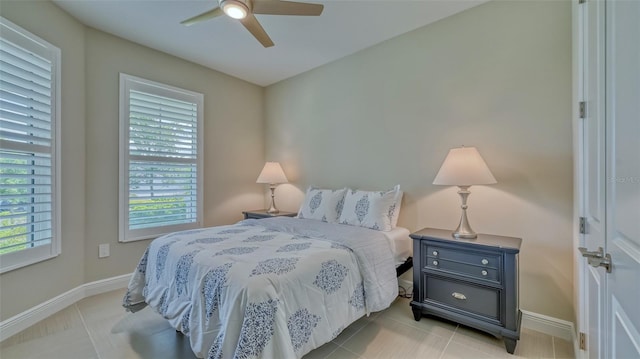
{"x": 237, "y": 9}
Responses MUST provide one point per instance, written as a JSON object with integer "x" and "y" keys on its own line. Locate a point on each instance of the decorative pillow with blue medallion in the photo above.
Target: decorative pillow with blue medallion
{"x": 322, "y": 204}
{"x": 370, "y": 209}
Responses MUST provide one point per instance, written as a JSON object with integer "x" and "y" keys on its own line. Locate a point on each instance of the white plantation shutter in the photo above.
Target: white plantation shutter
{"x": 29, "y": 87}
{"x": 160, "y": 159}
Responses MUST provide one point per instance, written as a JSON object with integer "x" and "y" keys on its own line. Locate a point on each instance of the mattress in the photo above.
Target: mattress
{"x": 400, "y": 243}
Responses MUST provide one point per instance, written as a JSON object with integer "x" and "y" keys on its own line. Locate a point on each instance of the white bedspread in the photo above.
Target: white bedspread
{"x": 269, "y": 288}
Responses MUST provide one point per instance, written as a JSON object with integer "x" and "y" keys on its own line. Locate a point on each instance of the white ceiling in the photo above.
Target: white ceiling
{"x": 223, "y": 44}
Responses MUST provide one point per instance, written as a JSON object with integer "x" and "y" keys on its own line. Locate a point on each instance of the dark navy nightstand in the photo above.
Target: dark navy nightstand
{"x": 262, "y": 213}
{"x": 470, "y": 281}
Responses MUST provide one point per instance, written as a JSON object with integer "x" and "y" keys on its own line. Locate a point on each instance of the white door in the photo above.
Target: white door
{"x": 610, "y": 308}
{"x": 623, "y": 174}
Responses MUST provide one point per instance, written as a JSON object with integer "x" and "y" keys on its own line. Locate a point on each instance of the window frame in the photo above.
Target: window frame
{"x": 27, "y": 40}
{"x": 128, "y": 83}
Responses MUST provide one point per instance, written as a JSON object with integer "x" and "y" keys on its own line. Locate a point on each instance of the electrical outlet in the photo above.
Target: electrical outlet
{"x": 103, "y": 250}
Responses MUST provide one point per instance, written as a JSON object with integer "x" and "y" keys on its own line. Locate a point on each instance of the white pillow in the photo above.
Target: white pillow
{"x": 395, "y": 209}
{"x": 322, "y": 204}
{"x": 376, "y": 210}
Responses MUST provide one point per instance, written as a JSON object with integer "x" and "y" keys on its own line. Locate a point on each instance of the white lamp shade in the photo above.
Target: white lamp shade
{"x": 464, "y": 167}
{"x": 272, "y": 173}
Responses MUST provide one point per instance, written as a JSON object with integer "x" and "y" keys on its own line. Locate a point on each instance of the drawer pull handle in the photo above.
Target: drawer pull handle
{"x": 459, "y": 296}
{"x": 485, "y": 261}
{"x": 484, "y": 272}
{"x": 435, "y": 263}
{"x": 435, "y": 253}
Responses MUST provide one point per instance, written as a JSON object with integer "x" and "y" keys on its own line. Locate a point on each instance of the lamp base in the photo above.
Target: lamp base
{"x": 464, "y": 230}
{"x": 272, "y": 208}
{"x": 461, "y": 235}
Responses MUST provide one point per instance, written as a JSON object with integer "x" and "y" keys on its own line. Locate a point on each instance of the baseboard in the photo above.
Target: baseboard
{"x": 106, "y": 285}
{"x": 31, "y": 316}
{"x": 548, "y": 325}
{"x": 406, "y": 284}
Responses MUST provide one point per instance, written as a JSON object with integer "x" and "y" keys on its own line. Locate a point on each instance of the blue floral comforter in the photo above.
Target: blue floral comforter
{"x": 268, "y": 288}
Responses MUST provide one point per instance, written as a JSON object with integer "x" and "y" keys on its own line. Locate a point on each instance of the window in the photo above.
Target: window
{"x": 160, "y": 159}
{"x": 29, "y": 156}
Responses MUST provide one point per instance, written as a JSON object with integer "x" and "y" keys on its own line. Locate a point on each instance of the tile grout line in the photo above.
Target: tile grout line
{"x": 334, "y": 349}
{"x": 417, "y": 328}
{"x": 352, "y": 335}
{"x": 329, "y": 354}
{"x": 86, "y": 328}
{"x": 340, "y": 346}
{"x": 449, "y": 342}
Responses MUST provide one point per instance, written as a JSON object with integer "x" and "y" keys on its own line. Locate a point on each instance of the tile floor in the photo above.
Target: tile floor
{"x": 98, "y": 327}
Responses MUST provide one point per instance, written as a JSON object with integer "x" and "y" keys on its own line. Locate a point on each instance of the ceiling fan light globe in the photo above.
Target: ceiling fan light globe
{"x": 234, "y": 9}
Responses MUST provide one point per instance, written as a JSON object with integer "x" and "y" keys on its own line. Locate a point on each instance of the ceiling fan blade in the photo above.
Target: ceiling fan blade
{"x": 202, "y": 17}
{"x": 276, "y": 7}
{"x": 254, "y": 27}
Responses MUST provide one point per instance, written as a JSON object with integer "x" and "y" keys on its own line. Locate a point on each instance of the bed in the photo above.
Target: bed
{"x": 268, "y": 288}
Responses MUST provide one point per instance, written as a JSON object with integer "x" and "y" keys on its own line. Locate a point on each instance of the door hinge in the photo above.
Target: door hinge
{"x": 583, "y": 109}
{"x": 583, "y": 225}
{"x": 583, "y": 341}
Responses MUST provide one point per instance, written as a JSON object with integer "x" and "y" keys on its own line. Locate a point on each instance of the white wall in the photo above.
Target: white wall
{"x": 497, "y": 77}
{"x": 91, "y": 62}
{"x": 23, "y": 288}
{"x": 233, "y": 142}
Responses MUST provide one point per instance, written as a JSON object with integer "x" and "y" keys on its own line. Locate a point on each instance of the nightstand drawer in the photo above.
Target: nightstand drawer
{"x": 488, "y": 260}
{"x": 469, "y": 298}
{"x": 478, "y": 272}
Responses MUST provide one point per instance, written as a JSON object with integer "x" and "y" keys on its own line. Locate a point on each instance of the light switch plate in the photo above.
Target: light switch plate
{"x": 103, "y": 250}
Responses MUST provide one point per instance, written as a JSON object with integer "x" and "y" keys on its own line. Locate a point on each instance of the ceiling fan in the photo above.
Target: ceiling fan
{"x": 243, "y": 10}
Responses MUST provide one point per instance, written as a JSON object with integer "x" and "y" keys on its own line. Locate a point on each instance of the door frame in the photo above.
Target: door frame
{"x": 579, "y": 265}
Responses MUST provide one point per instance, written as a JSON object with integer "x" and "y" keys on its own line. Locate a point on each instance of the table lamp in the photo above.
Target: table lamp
{"x": 272, "y": 174}
{"x": 464, "y": 167}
